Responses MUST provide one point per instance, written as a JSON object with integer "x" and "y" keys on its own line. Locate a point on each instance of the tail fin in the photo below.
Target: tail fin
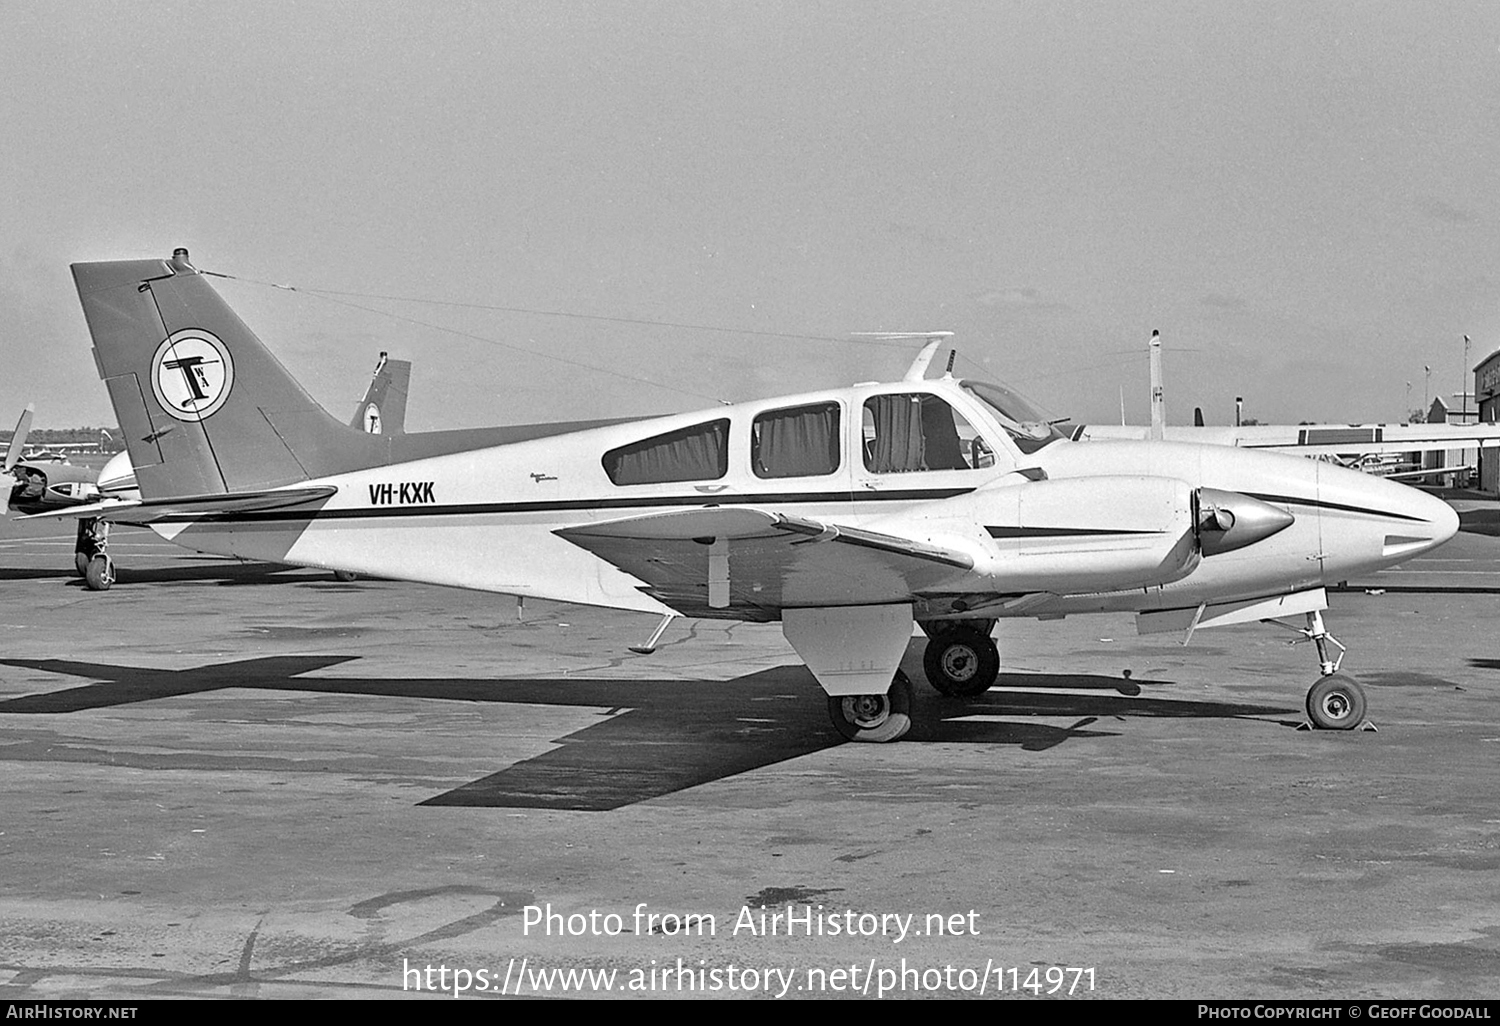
{"x": 383, "y": 409}
{"x": 204, "y": 406}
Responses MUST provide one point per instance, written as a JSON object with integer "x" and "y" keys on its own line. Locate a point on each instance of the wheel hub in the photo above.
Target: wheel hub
{"x": 866, "y": 711}
{"x": 1336, "y": 705}
{"x": 960, "y": 662}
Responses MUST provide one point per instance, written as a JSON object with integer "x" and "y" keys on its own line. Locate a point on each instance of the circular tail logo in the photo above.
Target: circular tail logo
{"x": 192, "y": 374}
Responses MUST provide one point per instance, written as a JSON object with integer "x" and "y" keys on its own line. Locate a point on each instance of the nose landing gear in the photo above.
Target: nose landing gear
{"x": 90, "y": 556}
{"x": 1335, "y": 702}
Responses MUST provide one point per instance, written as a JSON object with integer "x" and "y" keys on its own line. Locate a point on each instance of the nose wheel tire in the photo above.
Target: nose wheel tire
{"x": 875, "y": 718}
{"x": 100, "y": 573}
{"x": 962, "y": 662}
{"x": 1336, "y": 702}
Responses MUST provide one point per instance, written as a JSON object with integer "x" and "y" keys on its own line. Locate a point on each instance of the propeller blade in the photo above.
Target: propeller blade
{"x": 18, "y": 440}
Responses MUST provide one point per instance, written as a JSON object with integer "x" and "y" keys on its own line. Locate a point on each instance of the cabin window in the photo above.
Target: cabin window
{"x": 918, "y": 431}
{"x": 799, "y": 441}
{"x": 697, "y": 453}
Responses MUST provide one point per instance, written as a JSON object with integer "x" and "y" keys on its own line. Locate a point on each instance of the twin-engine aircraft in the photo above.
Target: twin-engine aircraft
{"x": 849, "y": 514}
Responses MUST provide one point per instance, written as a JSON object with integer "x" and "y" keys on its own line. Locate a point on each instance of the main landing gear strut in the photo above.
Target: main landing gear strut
{"x": 90, "y": 556}
{"x": 1335, "y": 702}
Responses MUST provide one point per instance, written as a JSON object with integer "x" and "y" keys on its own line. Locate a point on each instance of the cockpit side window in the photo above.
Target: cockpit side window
{"x": 913, "y": 431}
{"x": 798, "y": 441}
{"x": 1028, "y": 428}
{"x": 697, "y": 453}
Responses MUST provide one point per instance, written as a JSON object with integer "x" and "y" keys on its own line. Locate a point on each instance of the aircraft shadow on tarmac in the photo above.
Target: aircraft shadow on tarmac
{"x": 215, "y": 571}
{"x": 654, "y": 737}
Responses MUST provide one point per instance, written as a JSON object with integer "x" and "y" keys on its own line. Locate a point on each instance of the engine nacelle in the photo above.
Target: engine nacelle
{"x": 1080, "y": 535}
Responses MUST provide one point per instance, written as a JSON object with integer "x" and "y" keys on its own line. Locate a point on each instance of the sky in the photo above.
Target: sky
{"x": 709, "y": 198}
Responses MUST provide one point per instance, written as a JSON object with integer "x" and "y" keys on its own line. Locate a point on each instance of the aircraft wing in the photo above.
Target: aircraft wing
{"x": 137, "y": 511}
{"x": 748, "y": 563}
{"x": 1316, "y": 439}
{"x": 1415, "y": 475}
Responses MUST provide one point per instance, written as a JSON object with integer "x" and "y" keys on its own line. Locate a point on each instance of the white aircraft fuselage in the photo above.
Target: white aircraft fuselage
{"x": 847, "y": 514}
{"x": 488, "y": 519}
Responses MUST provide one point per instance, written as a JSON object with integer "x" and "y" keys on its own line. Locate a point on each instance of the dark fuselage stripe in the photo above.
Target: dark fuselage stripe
{"x": 1058, "y": 532}
{"x": 1295, "y": 500}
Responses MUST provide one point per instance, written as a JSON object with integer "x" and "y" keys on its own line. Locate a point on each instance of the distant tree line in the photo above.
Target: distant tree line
{"x": 108, "y": 439}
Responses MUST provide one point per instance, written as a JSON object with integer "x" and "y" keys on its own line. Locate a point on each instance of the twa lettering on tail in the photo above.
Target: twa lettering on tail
{"x": 847, "y": 514}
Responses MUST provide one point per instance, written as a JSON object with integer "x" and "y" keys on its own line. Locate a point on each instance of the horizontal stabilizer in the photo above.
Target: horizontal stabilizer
{"x": 134, "y": 511}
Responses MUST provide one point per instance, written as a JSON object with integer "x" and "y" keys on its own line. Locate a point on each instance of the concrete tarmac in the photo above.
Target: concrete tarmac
{"x": 239, "y": 780}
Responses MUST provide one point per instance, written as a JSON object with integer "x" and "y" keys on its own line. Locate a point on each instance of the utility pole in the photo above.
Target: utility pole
{"x": 1158, "y": 397}
{"x": 1463, "y": 383}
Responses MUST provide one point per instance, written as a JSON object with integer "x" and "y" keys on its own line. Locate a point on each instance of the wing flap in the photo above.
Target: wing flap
{"x": 774, "y": 560}
{"x": 741, "y": 522}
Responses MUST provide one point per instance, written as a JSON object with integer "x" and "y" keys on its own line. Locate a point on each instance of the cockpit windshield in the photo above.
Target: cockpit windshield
{"x": 1030, "y": 430}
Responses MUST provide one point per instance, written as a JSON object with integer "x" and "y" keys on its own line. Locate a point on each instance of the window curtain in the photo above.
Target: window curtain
{"x": 799, "y": 442}
{"x": 693, "y": 454}
{"x": 898, "y": 433}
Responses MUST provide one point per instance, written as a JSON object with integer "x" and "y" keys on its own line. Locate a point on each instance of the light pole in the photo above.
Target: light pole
{"x": 1463, "y": 383}
{"x": 1426, "y": 390}
{"x": 1406, "y": 409}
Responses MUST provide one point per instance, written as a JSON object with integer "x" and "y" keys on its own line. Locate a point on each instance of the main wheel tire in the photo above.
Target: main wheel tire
{"x": 81, "y": 563}
{"x": 100, "y": 573}
{"x": 877, "y": 718}
{"x": 962, "y": 662}
{"x": 345, "y": 576}
{"x": 1336, "y": 702}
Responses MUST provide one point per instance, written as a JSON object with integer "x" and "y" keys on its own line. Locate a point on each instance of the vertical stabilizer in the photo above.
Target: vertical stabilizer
{"x": 383, "y": 409}
{"x": 204, "y": 406}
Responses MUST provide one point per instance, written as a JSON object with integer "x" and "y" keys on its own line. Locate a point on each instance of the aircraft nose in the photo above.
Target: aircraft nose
{"x": 1427, "y": 522}
{"x": 1441, "y": 518}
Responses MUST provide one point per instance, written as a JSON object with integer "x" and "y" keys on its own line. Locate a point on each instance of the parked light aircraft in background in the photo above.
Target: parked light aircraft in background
{"x": 847, "y": 514}
{"x": 45, "y": 485}
{"x": 45, "y": 480}
{"x": 1365, "y": 447}
{"x": 1320, "y": 440}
